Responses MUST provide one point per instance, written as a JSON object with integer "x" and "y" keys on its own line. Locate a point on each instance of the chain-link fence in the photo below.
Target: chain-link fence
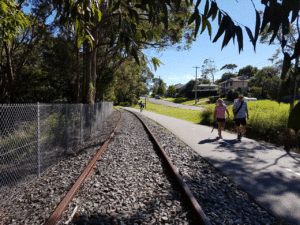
{"x": 35, "y": 137}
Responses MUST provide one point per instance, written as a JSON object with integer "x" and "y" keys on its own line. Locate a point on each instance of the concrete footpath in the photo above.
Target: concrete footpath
{"x": 269, "y": 174}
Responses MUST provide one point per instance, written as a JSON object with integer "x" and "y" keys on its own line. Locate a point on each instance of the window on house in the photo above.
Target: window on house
{"x": 230, "y": 83}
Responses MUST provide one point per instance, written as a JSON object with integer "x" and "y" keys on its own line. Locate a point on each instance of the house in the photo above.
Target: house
{"x": 203, "y": 87}
{"x": 231, "y": 83}
{"x": 178, "y": 86}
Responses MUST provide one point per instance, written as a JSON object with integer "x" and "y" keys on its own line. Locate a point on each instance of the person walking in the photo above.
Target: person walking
{"x": 220, "y": 117}
{"x": 240, "y": 110}
{"x": 141, "y": 106}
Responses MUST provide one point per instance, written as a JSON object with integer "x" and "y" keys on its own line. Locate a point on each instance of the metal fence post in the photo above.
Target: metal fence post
{"x": 66, "y": 127}
{"x": 38, "y": 140}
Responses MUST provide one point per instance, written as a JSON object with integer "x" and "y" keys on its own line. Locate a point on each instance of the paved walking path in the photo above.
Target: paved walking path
{"x": 269, "y": 174}
{"x": 172, "y": 104}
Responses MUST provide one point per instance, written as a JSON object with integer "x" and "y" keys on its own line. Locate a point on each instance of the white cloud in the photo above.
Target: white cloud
{"x": 173, "y": 78}
{"x": 189, "y": 77}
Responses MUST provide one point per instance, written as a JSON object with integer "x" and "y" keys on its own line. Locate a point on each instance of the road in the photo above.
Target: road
{"x": 269, "y": 174}
{"x": 171, "y": 104}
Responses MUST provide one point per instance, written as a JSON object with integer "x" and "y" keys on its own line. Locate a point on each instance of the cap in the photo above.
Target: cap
{"x": 241, "y": 96}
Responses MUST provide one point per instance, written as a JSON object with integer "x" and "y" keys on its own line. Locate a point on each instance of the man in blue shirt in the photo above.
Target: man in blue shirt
{"x": 141, "y": 106}
{"x": 239, "y": 111}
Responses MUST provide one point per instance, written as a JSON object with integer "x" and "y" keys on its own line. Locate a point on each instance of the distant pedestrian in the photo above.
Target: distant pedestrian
{"x": 239, "y": 111}
{"x": 220, "y": 116}
{"x": 141, "y": 106}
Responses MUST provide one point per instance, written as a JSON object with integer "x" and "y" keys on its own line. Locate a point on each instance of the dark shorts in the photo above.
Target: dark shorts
{"x": 220, "y": 120}
{"x": 239, "y": 121}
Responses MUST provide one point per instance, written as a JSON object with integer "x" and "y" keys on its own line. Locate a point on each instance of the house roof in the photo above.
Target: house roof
{"x": 179, "y": 85}
{"x": 236, "y": 79}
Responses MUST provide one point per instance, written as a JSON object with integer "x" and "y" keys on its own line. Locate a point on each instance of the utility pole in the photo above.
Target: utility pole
{"x": 196, "y": 88}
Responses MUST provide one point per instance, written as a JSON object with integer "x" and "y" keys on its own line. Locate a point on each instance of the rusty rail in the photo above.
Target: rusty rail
{"x": 87, "y": 172}
{"x": 203, "y": 220}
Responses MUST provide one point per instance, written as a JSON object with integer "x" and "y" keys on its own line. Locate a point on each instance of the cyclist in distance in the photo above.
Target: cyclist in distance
{"x": 141, "y": 106}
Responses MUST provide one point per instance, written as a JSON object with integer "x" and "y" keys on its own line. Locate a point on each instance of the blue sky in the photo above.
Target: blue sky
{"x": 178, "y": 66}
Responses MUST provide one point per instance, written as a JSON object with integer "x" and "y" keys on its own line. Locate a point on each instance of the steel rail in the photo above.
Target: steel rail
{"x": 87, "y": 173}
{"x": 203, "y": 220}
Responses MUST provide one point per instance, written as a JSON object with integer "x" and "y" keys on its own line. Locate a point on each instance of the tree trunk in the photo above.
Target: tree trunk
{"x": 77, "y": 78}
{"x": 9, "y": 70}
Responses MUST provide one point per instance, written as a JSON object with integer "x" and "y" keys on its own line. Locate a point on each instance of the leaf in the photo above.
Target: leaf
{"x": 296, "y": 50}
{"x": 206, "y": 23}
{"x": 239, "y": 34}
{"x": 266, "y": 18}
{"x": 156, "y": 63}
{"x": 198, "y": 22}
{"x": 136, "y": 16}
{"x": 286, "y": 65}
{"x": 117, "y": 5}
{"x": 206, "y": 7}
{"x": 275, "y": 31}
{"x": 197, "y": 4}
{"x": 219, "y": 17}
{"x": 112, "y": 38}
{"x": 250, "y": 35}
{"x": 134, "y": 54}
{"x": 222, "y": 28}
{"x": 296, "y": 6}
{"x": 194, "y": 16}
{"x": 285, "y": 25}
{"x": 126, "y": 41}
{"x": 227, "y": 38}
{"x": 213, "y": 10}
{"x": 257, "y": 25}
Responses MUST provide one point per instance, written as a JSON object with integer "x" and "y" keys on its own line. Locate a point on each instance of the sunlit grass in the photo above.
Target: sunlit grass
{"x": 184, "y": 114}
{"x": 267, "y": 119}
{"x": 185, "y": 101}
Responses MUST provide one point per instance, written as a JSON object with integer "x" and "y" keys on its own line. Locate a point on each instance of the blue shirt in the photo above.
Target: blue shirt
{"x": 242, "y": 111}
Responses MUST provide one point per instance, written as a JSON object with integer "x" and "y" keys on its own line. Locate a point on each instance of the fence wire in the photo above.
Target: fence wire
{"x": 35, "y": 137}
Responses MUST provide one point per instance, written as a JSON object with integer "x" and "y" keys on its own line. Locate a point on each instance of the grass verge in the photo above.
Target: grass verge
{"x": 267, "y": 121}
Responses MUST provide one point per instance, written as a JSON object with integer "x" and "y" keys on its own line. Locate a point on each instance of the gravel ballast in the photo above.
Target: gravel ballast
{"x": 222, "y": 201}
{"x": 38, "y": 200}
{"x": 132, "y": 186}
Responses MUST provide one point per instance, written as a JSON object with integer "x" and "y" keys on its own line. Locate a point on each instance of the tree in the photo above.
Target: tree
{"x": 229, "y": 67}
{"x": 286, "y": 42}
{"x": 171, "y": 90}
{"x": 203, "y": 81}
{"x": 268, "y": 80}
{"x": 247, "y": 71}
{"x": 225, "y": 77}
{"x": 209, "y": 69}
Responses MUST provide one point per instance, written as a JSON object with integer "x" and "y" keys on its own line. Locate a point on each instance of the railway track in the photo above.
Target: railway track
{"x": 198, "y": 214}
{"x": 135, "y": 182}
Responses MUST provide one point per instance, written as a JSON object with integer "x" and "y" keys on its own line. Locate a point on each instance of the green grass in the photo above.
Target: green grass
{"x": 185, "y": 101}
{"x": 267, "y": 119}
{"x": 188, "y": 115}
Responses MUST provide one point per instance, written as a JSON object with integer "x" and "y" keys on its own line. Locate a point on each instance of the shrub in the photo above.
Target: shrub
{"x": 214, "y": 99}
{"x": 207, "y": 117}
{"x": 294, "y": 118}
{"x": 125, "y": 104}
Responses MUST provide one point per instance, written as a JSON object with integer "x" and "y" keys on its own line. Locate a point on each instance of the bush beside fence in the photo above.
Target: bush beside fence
{"x": 35, "y": 137}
